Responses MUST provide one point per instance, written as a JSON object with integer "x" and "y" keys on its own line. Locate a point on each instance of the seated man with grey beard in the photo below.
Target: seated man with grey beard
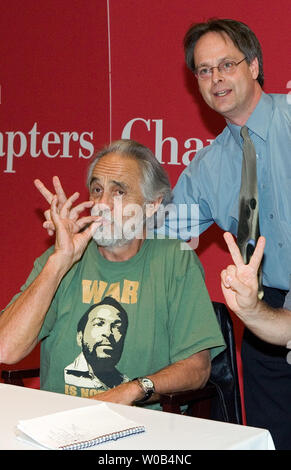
{"x": 150, "y": 327}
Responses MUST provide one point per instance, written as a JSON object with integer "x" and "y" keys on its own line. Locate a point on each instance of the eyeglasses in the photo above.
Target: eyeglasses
{"x": 226, "y": 67}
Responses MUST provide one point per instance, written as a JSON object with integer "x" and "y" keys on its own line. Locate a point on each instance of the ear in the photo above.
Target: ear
{"x": 254, "y": 68}
{"x": 79, "y": 338}
{"x": 152, "y": 208}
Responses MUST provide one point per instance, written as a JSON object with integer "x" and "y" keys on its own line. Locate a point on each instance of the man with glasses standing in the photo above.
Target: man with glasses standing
{"x": 226, "y": 58}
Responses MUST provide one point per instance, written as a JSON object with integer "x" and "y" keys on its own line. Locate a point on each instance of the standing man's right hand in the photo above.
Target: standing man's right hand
{"x": 239, "y": 281}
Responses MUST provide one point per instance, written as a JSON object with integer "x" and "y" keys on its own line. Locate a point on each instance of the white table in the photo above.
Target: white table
{"x": 164, "y": 431}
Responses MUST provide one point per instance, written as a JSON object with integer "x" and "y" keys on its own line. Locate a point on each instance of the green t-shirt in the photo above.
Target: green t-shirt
{"x": 167, "y": 316}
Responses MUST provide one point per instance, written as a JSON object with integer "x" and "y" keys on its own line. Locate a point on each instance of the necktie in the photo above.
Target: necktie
{"x": 248, "y": 225}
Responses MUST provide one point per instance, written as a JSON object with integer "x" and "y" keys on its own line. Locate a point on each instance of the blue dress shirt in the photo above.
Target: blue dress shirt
{"x": 213, "y": 180}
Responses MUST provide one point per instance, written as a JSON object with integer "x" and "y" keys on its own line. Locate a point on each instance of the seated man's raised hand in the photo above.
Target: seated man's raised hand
{"x": 70, "y": 243}
{"x": 74, "y": 213}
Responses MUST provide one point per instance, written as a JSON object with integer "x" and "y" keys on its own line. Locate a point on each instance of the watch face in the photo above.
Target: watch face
{"x": 148, "y": 388}
{"x": 147, "y": 384}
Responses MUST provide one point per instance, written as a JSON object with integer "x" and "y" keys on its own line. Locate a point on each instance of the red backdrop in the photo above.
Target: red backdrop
{"x": 77, "y": 73}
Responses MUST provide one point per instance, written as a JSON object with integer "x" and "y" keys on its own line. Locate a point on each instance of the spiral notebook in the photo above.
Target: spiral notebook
{"x": 79, "y": 428}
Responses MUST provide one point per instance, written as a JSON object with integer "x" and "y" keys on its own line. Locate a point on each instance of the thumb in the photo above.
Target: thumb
{"x": 223, "y": 278}
{"x": 89, "y": 231}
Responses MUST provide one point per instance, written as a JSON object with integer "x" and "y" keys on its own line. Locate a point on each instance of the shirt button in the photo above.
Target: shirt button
{"x": 280, "y": 244}
{"x": 271, "y": 216}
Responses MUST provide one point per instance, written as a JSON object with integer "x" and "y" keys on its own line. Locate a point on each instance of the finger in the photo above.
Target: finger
{"x": 231, "y": 281}
{"x": 59, "y": 190}
{"x": 89, "y": 232}
{"x": 88, "y": 220}
{"x": 233, "y": 249}
{"x": 257, "y": 255}
{"x": 49, "y": 226}
{"x": 43, "y": 190}
{"x": 223, "y": 279}
{"x": 55, "y": 217}
{"x": 47, "y": 215}
{"x": 230, "y": 274}
{"x": 74, "y": 214}
{"x": 68, "y": 204}
{"x": 227, "y": 275}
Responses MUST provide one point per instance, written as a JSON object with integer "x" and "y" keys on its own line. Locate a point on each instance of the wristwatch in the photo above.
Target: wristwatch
{"x": 147, "y": 387}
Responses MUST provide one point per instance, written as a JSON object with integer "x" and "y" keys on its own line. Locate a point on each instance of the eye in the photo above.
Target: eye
{"x": 203, "y": 72}
{"x": 227, "y": 66}
{"x": 119, "y": 192}
{"x": 117, "y": 325}
{"x": 98, "y": 322}
{"x": 96, "y": 190}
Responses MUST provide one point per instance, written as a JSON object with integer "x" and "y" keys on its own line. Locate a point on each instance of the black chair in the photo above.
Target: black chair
{"x": 17, "y": 376}
{"x": 218, "y": 400}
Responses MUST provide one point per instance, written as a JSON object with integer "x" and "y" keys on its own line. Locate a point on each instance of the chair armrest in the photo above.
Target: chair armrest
{"x": 15, "y": 377}
{"x": 172, "y": 402}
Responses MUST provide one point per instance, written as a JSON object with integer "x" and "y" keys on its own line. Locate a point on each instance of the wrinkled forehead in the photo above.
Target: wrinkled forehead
{"x": 114, "y": 166}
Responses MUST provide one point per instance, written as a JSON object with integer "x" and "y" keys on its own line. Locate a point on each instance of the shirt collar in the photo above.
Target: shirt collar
{"x": 259, "y": 121}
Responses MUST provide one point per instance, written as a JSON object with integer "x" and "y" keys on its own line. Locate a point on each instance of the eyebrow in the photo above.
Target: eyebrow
{"x": 105, "y": 317}
{"x": 120, "y": 184}
{"x": 206, "y": 64}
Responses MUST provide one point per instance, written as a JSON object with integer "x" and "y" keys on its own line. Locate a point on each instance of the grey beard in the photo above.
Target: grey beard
{"x": 108, "y": 240}
{"x": 118, "y": 233}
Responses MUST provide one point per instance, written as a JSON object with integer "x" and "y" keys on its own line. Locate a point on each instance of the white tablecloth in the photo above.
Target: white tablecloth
{"x": 164, "y": 431}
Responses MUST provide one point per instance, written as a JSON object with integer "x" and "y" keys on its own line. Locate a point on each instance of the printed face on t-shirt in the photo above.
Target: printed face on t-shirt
{"x": 103, "y": 335}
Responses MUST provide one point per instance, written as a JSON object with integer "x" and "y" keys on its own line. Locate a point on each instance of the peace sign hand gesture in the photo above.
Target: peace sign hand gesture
{"x": 239, "y": 281}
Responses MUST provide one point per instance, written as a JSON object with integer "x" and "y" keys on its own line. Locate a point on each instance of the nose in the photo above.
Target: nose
{"x": 103, "y": 200}
{"x": 216, "y": 75}
{"x": 102, "y": 210}
{"x": 107, "y": 331}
